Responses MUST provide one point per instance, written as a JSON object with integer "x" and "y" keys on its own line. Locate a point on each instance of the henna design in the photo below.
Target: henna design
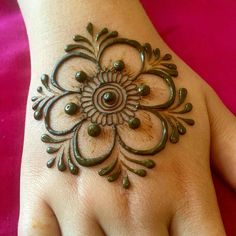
{"x": 110, "y": 98}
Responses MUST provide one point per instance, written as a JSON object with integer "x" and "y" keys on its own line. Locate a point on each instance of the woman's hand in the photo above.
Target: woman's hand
{"x": 176, "y": 196}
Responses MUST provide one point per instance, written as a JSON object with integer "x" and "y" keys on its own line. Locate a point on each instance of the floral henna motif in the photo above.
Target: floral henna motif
{"x": 109, "y": 99}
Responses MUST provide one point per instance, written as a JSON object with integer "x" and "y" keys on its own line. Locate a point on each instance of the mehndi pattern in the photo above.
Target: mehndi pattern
{"x": 110, "y": 98}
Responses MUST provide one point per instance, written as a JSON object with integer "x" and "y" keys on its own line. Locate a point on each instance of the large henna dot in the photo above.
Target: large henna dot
{"x": 71, "y": 108}
{"x": 109, "y": 97}
{"x": 94, "y": 130}
{"x": 119, "y": 65}
{"x": 134, "y": 123}
{"x": 81, "y": 76}
{"x": 143, "y": 90}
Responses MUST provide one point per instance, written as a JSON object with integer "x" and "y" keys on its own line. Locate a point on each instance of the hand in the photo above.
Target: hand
{"x": 176, "y": 197}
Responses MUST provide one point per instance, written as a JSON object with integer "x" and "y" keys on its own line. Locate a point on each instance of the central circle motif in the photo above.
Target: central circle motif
{"x": 113, "y": 92}
{"x": 110, "y": 98}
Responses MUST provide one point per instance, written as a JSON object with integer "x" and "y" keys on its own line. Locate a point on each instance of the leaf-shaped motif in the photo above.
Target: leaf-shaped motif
{"x": 72, "y": 47}
{"x": 90, "y": 28}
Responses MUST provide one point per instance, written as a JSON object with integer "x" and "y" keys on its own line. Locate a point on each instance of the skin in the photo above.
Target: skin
{"x": 176, "y": 198}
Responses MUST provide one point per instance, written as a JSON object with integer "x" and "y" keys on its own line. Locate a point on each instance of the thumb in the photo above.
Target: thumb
{"x": 223, "y": 137}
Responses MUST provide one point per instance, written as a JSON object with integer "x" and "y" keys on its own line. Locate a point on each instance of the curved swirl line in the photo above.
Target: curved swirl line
{"x": 169, "y": 81}
{"x": 87, "y": 162}
{"x": 47, "y": 118}
{"x": 66, "y": 57}
{"x": 157, "y": 148}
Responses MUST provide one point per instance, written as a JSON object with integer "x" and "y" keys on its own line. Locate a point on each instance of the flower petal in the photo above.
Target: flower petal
{"x": 104, "y": 120}
{"x": 130, "y": 87}
{"x": 63, "y": 75}
{"x": 57, "y": 122}
{"x": 91, "y": 112}
{"x": 100, "y": 118}
{"x": 149, "y": 138}
{"x": 120, "y": 118}
{"x": 128, "y": 112}
{"x": 162, "y": 90}
{"x": 89, "y": 150}
{"x": 88, "y": 109}
{"x": 129, "y": 51}
{"x": 94, "y": 117}
{"x": 132, "y": 105}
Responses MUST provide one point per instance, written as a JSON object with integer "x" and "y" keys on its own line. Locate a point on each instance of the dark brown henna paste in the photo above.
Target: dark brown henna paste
{"x": 110, "y": 98}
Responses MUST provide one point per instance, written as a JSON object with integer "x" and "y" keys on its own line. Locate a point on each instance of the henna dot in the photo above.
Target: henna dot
{"x": 40, "y": 89}
{"x": 119, "y": 65}
{"x": 71, "y": 108}
{"x": 94, "y": 130}
{"x": 134, "y": 123}
{"x": 109, "y": 97}
{"x": 143, "y": 90}
{"x": 81, "y": 76}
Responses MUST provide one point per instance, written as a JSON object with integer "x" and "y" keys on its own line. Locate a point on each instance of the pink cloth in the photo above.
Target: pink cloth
{"x": 202, "y": 32}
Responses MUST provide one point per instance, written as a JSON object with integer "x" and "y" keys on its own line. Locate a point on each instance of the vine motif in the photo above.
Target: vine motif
{"x": 110, "y": 98}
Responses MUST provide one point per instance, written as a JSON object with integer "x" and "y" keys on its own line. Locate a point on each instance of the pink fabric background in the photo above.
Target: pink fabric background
{"x": 202, "y": 32}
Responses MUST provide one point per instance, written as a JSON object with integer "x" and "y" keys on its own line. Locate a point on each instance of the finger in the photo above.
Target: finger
{"x": 223, "y": 138}
{"x": 37, "y": 218}
{"x": 81, "y": 226}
